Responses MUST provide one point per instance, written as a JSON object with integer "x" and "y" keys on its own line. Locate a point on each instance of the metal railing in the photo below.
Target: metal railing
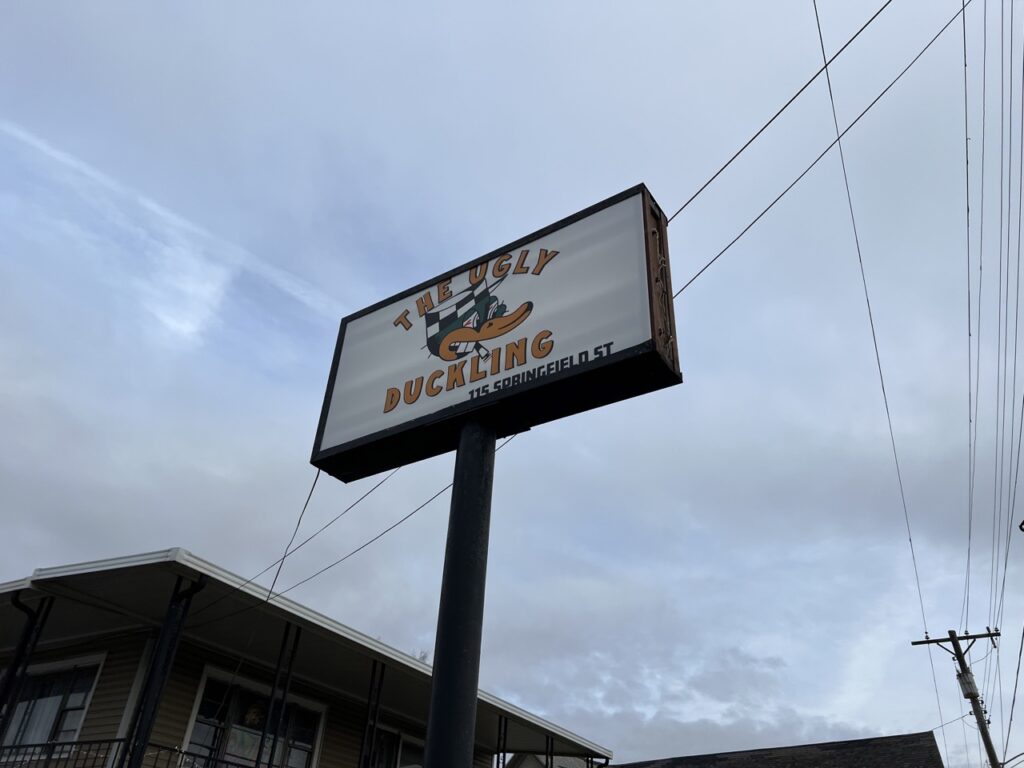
{"x": 159, "y": 756}
{"x": 72, "y": 754}
{"x": 107, "y": 753}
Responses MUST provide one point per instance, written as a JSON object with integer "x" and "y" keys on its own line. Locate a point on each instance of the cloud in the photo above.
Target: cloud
{"x": 184, "y": 270}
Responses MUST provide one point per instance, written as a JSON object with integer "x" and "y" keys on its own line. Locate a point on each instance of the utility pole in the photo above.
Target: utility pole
{"x": 965, "y": 677}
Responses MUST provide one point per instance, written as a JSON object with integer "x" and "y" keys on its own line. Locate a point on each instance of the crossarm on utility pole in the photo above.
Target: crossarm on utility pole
{"x": 965, "y": 677}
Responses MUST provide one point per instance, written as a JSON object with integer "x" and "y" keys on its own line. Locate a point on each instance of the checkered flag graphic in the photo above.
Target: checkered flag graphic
{"x": 463, "y": 309}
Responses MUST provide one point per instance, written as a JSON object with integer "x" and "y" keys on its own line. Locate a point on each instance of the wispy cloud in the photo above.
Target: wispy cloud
{"x": 186, "y": 270}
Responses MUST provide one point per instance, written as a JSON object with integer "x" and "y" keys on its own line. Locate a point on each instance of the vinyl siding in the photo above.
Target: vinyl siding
{"x": 343, "y": 734}
{"x": 111, "y": 693}
{"x": 179, "y": 696}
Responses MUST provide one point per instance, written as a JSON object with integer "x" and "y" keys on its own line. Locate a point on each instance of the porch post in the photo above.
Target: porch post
{"x": 369, "y": 742}
{"x": 159, "y": 671}
{"x": 273, "y": 696}
{"x": 13, "y": 678}
{"x": 285, "y": 687}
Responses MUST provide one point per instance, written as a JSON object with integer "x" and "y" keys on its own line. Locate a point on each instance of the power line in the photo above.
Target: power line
{"x": 807, "y": 170}
{"x": 782, "y": 109}
{"x": 997, "y": 591}
{"x": 273, "y": 596}
{"x": 1014, "y": 465}
{"x": 981, "y": 286}
{"x": 1006, "y": 324}
{"x": 950, "y": 722}
{"x": 295, "y": 531}
{"x": 878, "y": 358}
{"x": 279, "y": 562}
{"x": 288, "y": 551}
{"x": 1013, "y": 702}
{"x": 252, "y": 632}
{"x": 996, "y": 527}
{"x": 970, "y": 393}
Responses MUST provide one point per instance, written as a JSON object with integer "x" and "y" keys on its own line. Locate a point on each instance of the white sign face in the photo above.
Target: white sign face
{"x": 568, "y": 298}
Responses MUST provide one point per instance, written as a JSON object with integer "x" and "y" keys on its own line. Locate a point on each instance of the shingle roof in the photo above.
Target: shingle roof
{"x": 914, "y": 750}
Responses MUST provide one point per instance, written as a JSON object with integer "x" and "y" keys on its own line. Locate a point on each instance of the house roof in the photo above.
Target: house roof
{"x": 128, "y": 592}
{"x": 912, "y": 750}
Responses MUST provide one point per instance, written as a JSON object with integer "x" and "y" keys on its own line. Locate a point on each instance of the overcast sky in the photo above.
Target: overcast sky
{"x": 192, "y": 194}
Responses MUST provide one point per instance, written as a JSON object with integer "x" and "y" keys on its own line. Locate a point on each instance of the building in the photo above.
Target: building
{"x": 912, "y": 750}
{"x": 164, "y": 660}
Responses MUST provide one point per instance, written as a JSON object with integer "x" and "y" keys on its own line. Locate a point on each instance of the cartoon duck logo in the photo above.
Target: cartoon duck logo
{"x": 461, "y": 325}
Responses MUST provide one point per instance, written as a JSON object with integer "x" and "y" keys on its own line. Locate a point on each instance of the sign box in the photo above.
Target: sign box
{"x": 574, "y": 316}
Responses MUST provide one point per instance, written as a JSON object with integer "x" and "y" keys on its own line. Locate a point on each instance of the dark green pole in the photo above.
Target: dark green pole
{"x": 452, "y": 722}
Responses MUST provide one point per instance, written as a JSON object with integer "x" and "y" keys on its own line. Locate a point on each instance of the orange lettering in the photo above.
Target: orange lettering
{"x": 543, "y": 259}
{"x": 515, "y": 354}
{"x": 456, "y": 376}
{"x": 542, "y": 345}
{"x": 501, "y": 267}
{"x": 391, "y": 399}
{"x": 444, "y": 291}
{"x": 413, "y": 388}
{"x": 521, "y": 268}
{"x": 477, "y": 273}
{"x": 424, "y": 304}
{"x": 403, "y": 320}
{"x": 475, "y": 374}
{"x": 433, "y": 390}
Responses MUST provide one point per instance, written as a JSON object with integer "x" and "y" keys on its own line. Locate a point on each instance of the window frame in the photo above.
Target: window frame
{"x": 210, "y": 671}
{"x": 66, "y": 665}
{"x": 401, "y": 737}
{"x": 404, "y": 737}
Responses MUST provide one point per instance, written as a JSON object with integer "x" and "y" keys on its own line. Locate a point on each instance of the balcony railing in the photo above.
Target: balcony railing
{"x": 103, "y": 754}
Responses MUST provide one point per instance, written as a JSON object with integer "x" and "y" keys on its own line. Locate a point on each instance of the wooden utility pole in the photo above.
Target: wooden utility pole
{"x": 965, "y": 677}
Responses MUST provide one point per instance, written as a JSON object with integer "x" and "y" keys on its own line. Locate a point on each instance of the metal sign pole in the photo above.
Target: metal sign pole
{"x": 452, "y": 721}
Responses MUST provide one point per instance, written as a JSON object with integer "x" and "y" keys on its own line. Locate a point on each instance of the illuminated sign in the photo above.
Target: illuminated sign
{"x": 569, "y": 318}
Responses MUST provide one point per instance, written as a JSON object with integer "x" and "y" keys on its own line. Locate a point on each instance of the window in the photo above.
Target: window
{"x": 397, "y": 751}
{"x": 231, "y": 719}
{"x": 412, "y": 755}
{"x": 51, "y": 706}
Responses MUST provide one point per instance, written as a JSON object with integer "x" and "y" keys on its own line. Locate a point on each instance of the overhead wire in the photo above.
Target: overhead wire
{"x": 878, "y": 358}
{"x": 1014, "y": 464}
{"x": 1001, "y": 541}
{"x": 949, "y": 722}
{"x": 295, "y": 531}
{"x": 280, "y": 563}
{"x": 973, "y": 417}
{"x": 1013, "y": 702}
{"x": 289, "y": 551}
{"x": 781, "y": 109}
{"x": 981, "y": 287}
{"x": 1006, "y": 311}
{"x": 973, "y": 366}
{"x": 970, "y": 389}
{"x": 1010, "y": 510}
{"x": 999, "y": 359}
{"x": 271, "y": 596}
{"x": 824, "y": 152}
